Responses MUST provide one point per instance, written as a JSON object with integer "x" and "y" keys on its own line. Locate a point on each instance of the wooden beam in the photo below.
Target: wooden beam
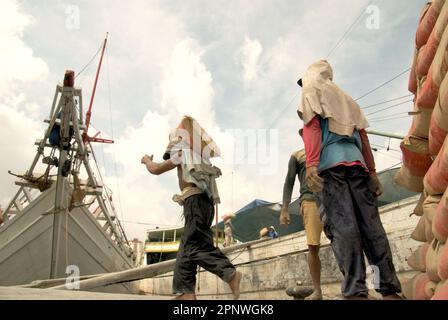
{"x": 44, "y": 284}
{"x": 140, "y": 273}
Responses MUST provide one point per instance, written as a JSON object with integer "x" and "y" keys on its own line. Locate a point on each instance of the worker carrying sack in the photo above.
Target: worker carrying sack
{"x": 190, "y": 135}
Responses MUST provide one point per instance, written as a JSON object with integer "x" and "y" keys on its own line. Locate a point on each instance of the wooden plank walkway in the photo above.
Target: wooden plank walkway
{"x": 18, "y": 293}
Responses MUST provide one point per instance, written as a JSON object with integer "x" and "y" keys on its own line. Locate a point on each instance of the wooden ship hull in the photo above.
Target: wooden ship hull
{"x": 27, "y": 248}
{"x": 61, "y": 224}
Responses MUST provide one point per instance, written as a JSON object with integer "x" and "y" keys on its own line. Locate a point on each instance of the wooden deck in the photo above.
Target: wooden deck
{"x": 17, "y": 293}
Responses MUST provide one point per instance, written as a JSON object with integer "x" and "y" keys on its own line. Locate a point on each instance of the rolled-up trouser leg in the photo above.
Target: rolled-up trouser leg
{"x": 340, "y": 226}
{"x": 375, "y": 243}
{"x": 197, "y": 245}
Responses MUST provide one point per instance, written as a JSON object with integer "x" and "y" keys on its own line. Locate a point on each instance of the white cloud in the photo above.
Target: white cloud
{"x": 249, "y": 56}
{"x": 187, "y": 85}
{"x": 18, "y": 65}
{"x": 17, "y": 62}
{"x": 17, "y": 135}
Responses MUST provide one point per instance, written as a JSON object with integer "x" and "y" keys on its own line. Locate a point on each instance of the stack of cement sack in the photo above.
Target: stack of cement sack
{"x": 425, "y": 155}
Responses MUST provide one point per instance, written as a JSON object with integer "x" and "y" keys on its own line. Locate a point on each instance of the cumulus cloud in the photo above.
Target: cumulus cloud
{"x": 17, "y": 61}
{"x": 17, "y": 129}
{"x": 187, "y": 85}
{"x": 18, "y": 66}
{"x": 249, "y": 56}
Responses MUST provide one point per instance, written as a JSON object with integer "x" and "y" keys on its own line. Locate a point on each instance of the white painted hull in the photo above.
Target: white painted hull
{"x": 26, "y": 245}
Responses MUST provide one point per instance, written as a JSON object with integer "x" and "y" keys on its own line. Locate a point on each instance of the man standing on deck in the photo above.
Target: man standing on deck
{"x": 309, "y": 212}
{"x": 190, "y": 150}
{"x": 341, "y": 168}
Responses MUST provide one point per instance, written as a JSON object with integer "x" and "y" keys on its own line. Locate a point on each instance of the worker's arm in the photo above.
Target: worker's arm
{"x": 312, "y": 138}
{"x": 367, "y": 152}
{"x": 287, "y": 190}
{"x": 157, "y": 168}
{"x": 370, "y": 162}
{"x": 289, "y": 181}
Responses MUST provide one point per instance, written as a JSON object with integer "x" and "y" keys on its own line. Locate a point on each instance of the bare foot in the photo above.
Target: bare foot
{"x": 185, "y": 296}
{"x": 316, "y": 295}
{"x": 234, "y": 285}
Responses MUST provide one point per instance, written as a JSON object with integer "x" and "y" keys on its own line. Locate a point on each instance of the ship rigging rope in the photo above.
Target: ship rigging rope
{"x": 90, "y": 61}
{"x": 383, "y": 84}
{"x": 388, "y": 119}
{"x": 389, "y": 107}
{"x": 347, "y": 32}
{"x": 150, "y": 224}
{"x": 114, "y": 153}
{"x": 275, "y": 120}
{"x": 387, "y": 101}
{"x": 390, "y": 115}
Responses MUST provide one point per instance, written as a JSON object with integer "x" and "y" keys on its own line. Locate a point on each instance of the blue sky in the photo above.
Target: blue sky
{"x": 230, "y": 64}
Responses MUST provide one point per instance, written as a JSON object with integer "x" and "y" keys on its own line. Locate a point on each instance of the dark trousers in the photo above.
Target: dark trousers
{"x": 196, "y": 247}
{"x": 349, "y": 213}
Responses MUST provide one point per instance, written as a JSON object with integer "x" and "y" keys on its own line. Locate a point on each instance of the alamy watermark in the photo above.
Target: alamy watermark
{"x": 373, "y": 20}
{"x": 72, "y": 281}
{"x": 373, "y": 277}
{"x": 73, "y": 18}
{"x": 257, "y": 147}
